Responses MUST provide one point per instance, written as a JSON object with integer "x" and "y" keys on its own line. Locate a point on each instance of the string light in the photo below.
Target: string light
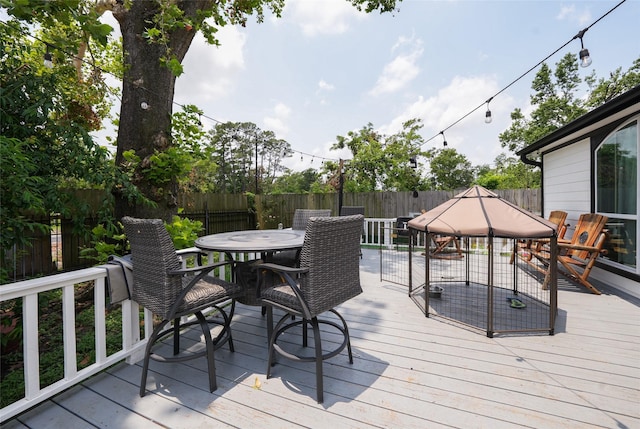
{"x": 585, "y": 58}
{"x": 444, "y": 139}
{"x": 48, "y": 59}
{"x": 487, "y": 115}
{"x": 585, "y": 61}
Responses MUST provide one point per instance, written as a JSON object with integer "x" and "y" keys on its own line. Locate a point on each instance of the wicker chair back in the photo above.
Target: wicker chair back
{"x": 331, "y": 250}
{"x": 351, "y": 210}
{"x": 302, "y": 216}
{"x": 153, "y": 255}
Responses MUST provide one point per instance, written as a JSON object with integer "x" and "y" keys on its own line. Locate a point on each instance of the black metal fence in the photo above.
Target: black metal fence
{"x": 60, "y": 250}
{"x": 223, "y": 221}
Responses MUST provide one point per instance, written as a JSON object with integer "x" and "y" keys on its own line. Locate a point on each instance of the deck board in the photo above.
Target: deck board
{"x": 409, "y": 371}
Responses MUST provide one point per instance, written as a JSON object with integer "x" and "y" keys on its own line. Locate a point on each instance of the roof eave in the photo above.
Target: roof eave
{"x": 618, "y": 104}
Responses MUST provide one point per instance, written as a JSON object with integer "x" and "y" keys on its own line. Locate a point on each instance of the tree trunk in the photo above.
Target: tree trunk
{"x": 146, "y": 109}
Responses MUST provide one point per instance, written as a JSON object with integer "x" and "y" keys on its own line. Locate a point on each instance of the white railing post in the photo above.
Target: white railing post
{"x": 131, "y": 331}
{"x": 69, "y": 332}
{"x": 388, "y": 241}
{"x": 100, "y": 322}
{"x": 31, "y": 348}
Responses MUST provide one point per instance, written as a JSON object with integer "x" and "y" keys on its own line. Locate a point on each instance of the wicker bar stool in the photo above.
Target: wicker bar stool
{"x": 301, "y": 217}
{"x": 161, "y": 285}
{"x": 328, "y": 275}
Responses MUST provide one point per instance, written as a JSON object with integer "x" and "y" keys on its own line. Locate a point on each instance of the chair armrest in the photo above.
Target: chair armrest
{"x": 197, "y": 269}
{"x": 190, "y": 251}
{"x": 579, "y": 247}
{"x": 282, "y": 268}
{"x": 288, "y": 274}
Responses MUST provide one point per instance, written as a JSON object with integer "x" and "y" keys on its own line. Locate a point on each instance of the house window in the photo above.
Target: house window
{"x": 617, "y": 193}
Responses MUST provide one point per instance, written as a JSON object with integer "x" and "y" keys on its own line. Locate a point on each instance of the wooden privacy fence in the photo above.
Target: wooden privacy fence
{"x": 272, "y": 209}
{"x": 60, "y": 250}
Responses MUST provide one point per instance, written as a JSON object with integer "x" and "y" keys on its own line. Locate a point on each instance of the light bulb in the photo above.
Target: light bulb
{"x": 48, "y": 60}
{"x": 487, "y": 117}
{"x": 585, "y": 59}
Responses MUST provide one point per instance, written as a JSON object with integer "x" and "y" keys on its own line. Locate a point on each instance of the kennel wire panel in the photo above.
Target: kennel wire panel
{"x": 483, "y": 289}
{"x": 394, "y": 255}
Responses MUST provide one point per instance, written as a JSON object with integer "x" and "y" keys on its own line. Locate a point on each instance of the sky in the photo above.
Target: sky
{"x": 324, "y": 69}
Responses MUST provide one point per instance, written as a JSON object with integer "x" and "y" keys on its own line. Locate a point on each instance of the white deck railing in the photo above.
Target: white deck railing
{"x": 28, "y": 291}
{"x": 377, "y": 231}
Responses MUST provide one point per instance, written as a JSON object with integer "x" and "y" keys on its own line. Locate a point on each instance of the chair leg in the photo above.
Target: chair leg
{"x": 147, "y": 355}
{"x": 305, "y": 335}
{"x": 346, "y": 333}
{"x": 319, "y": 355}
{"x": 573, "y": 274}
{"x": 225, "y": 334}
{"x": 318, "y": 345}
{"x": 271, "y": 360}
{"x": 270, "y": 335}
{"x": 176, "y": 336}
{"x": 227, "y": 324}
{"x": 211, "y": 363}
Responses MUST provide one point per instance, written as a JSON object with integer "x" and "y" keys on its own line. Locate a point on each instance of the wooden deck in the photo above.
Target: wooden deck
{"x": 408, "y": 372}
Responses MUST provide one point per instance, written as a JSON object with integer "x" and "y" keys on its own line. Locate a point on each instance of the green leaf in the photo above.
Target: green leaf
{"x": 175, "y": 67}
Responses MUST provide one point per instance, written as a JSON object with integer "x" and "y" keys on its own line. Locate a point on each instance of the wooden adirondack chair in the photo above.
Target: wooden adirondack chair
{"x": 441, "y": 242}
{"x": 526, "y": 248}
{"x": 578, "y": 255}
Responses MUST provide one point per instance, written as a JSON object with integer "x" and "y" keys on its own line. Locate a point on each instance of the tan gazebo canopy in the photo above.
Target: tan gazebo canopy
{"x": 478, "y": 212}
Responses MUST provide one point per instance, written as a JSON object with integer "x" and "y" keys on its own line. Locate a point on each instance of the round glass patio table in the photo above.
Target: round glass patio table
{"x": 258, "y": 240}
{"x": 263, "y": 241}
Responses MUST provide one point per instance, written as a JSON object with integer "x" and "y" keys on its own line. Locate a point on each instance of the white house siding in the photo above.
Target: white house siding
{"x": 567, "y": 181}
{"x": 567, "y": 185}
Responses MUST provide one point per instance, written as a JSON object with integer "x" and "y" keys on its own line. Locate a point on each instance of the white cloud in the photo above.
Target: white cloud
{"x": 471, "y": 136}
{"x": 401, "y": 70}
{"x": 212, "y": 71}
{"x": 569, "y": 13}
{"x": 322, "y": 17}
{"x": 277, "y": 122}
{"x": 448, "y": 105}
{"x": 325, "y": 86}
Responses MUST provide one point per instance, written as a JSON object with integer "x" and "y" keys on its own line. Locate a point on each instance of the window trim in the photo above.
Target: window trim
{"x": 614, "y": 264}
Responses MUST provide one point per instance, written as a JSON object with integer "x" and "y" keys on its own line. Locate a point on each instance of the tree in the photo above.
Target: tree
{"x": 247, "y": 158}
{"x": 556, "y": 104}
{"x": 603, "y": 90}
{"x": 509, "y": 173}
{"x": 381, "y": 162}
{"x": 156, "y": 35}
{"x": 556, "y": 101}
{"x": 450, "y": 170}
{"x": 46, "y": 147}
{"x": 295, "y": 182}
